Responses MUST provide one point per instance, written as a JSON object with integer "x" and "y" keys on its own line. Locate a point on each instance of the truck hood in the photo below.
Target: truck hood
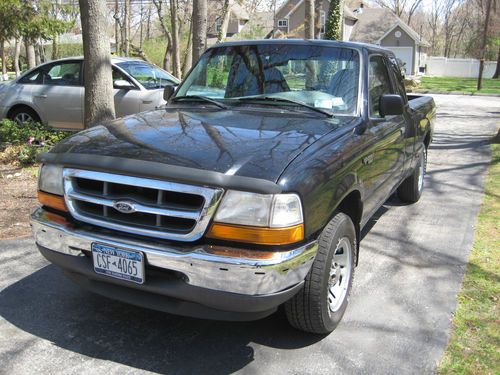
{"x": 255, "y": 142}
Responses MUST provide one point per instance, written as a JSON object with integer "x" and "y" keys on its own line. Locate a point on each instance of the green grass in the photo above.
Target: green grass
{"x": 464, "y": 85}
{"x": 474, "y": 346}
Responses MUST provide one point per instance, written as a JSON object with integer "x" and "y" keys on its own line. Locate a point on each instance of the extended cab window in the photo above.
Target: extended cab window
{"x": 378, "y": 83}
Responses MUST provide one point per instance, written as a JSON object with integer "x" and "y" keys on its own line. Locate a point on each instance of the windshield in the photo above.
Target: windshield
{"x": 150, "y": 76}
{"x": 321, "y": 77}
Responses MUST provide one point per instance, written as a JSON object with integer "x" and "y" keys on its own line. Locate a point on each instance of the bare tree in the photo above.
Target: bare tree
{"x": 175, "y": 39}
{"x": 126, "y": 30}
{"x": 166, "y": 32}
{"x": 99, "y": 104}
{"x": 318, "y": 6}
{"x": 116, "y": 16}
{"x": 404, "y": 9}
{"x": 490, "y": 5}
{"x": 226, "y": 15}
{"x": 309, "y": 20}
{"x": 200, "y": 11}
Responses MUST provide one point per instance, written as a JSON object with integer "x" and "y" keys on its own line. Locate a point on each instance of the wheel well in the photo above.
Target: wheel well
{"x": 352, "y": 206}
{"x": 13, "y": 108}
{"x": 427, "y": 140}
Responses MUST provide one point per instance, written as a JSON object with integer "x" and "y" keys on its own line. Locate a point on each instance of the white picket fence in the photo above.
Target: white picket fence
{"x": 448, "y": 67}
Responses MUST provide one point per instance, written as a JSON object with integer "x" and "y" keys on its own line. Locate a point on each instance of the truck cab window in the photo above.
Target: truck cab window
{"x": 378, "y": 83}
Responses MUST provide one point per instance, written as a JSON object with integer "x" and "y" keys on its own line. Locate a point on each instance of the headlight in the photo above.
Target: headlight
{"x": 260, "y": 210}
{"x": 259, "y": 218}
{"x": 50, "y": 179}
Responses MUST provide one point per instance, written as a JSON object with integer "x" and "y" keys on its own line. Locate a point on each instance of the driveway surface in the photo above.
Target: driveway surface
{"x": 412, "y": 262}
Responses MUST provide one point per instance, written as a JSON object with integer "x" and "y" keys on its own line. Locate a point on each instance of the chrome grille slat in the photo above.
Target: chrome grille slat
{"x": 173, "y": 210}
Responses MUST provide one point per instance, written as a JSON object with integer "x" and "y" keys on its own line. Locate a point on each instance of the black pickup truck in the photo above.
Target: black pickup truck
{"x": 247, "y": 191}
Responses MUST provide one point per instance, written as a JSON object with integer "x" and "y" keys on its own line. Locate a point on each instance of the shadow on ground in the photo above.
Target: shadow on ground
{"x": 47, "y": 305}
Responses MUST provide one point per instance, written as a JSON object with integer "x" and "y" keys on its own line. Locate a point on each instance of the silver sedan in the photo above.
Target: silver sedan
{"x": 53, "y": 92}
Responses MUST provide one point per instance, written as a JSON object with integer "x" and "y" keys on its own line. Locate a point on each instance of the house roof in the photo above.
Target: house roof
{"x": 261, "y": 21}
{"x": 375, "y": 23}
{"x": 239, "y": 12}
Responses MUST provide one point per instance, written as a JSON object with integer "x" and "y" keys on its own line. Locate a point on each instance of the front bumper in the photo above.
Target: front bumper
{"x": 200, "y": 280}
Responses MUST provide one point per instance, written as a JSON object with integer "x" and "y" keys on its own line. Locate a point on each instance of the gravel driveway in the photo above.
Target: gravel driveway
{"x": 412, "y": 262}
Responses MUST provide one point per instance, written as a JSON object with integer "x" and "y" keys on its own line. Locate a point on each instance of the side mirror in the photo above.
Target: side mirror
{"x": 168, "y": 91}
{"x": 122, "y": 84}
{"x": 391, "y": 104}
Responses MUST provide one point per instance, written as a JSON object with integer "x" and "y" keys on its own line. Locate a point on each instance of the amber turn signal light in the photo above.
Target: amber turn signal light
{"x": 256, "y": 235}
{"x": 52, "y": 200}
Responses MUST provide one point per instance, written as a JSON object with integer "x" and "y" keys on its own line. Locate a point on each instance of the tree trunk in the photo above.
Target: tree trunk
{"x": 17, "y": 53}
{"x": 188, "y": 55}
{"x": 226, "y": 15}
{"x": 497, "y": 70}
{"x": 318, "y": 6}
{"x": 99, "y": 104}
{"x": 126, "y": 31}
{"x": 117, "y": 28}
{"x": 38, "y": 60}
{"x": 200, "y": 10}
{"x": 3, "y": 56}
{"x": 168, "y": 54}
{"x": 30, "y": 54}
{"x": 55, "y": 47}
{"x": 148, "y": 25}
{"x": 334, "y": 20}
{"x": 176, "y": 60}
{"x": 483, "y": 46}
{"x": 309, "y": 20}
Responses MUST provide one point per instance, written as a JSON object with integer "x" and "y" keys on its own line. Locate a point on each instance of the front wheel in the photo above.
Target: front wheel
{"x": 321, "y": 303}
{"x": 412, "y": 187}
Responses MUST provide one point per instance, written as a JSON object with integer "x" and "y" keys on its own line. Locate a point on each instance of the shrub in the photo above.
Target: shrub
{"x": 20, "y": 144}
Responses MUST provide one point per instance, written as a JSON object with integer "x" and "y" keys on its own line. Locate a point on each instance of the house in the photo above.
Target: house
{"x": 237, "y": 19}
{"x": 364, "y": 24}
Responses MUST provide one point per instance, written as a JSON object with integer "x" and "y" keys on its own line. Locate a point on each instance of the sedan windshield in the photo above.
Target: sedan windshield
{"x": 150, "y": 76}
{"x": 314, "y": 76}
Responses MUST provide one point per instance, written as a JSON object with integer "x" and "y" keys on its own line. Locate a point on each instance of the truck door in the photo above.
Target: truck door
{"x": 384, "y": 160}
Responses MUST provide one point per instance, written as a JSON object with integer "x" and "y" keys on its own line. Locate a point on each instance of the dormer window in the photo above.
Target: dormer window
{"x": 283, "y": 23}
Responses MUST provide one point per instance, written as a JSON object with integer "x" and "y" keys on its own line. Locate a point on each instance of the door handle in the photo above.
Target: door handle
{"x": 43, "y": 96}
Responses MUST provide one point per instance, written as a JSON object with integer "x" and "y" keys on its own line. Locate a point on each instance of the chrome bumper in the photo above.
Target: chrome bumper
{"x": 202, "y": 265}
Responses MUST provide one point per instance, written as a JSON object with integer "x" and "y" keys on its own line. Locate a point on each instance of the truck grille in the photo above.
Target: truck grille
{"x": 141, "y": 206}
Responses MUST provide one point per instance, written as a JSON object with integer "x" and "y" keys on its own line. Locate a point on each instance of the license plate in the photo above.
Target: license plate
{"x": 118, "y": 263}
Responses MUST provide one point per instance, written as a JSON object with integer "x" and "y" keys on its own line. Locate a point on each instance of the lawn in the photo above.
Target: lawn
{"x": 463, "y": 85}
{"x": 475, "y": 340}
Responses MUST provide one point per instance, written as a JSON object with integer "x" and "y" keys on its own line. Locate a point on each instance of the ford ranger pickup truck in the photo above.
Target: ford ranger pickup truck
{"x": 247, "y": 191}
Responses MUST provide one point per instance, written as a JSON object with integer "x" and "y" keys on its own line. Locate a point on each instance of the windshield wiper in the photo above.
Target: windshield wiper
{"x": 199, "y": 97}
{"x": 285, "y": 100}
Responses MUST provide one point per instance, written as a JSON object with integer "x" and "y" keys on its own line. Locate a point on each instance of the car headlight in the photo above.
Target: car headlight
{"x": 259, "y": 218}
{"x": 50, "y": 179}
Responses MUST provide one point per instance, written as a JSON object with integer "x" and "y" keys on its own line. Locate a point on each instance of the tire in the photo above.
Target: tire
{"x": 412, "y": 187}
{"x": 24, "y": 114}
{"x": 314, "y": 309}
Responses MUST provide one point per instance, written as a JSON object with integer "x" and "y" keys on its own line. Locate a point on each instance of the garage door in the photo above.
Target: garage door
{"x": 405, "y": 54}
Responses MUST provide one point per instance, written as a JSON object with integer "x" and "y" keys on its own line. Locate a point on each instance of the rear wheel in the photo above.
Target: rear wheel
{"x": 411, "y": 189}
{"x": 321, "y": 303}
{"x": 23, "y": 115}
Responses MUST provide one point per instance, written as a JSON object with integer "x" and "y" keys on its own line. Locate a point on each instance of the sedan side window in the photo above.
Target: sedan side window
{"x": 378, "y": 83}
{"x": 63, "y": 74}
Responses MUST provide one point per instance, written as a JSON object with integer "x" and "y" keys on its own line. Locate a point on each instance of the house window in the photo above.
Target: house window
{"x": 283, "y": 23}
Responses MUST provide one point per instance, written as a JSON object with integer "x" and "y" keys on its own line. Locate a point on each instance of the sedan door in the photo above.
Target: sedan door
{"x": 128, "y": 99}
{"x": 58, "y": 94}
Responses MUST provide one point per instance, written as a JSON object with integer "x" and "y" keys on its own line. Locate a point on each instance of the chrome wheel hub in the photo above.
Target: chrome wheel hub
{"x": 340, "y": 275}
{"x": 22, "y": 118}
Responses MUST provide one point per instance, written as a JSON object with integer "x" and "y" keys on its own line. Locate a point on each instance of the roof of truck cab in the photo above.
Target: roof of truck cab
{"x": 310, "y": 42}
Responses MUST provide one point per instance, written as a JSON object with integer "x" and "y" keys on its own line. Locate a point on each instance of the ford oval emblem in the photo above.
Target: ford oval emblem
{"x": 124, "y": 207}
